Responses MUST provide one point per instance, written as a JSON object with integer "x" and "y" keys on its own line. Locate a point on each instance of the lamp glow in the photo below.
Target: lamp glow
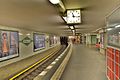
{"x": 71, "y": 27}
{"x": 73, "y": 31}
{"x": 28, "y": 34}
{"x": 20, "y": 34}
{"x": 117, "y": 26}
{"x": 65, "y": 18}
{"x": 54, "y": 1}
{"x": 109, "y": 29}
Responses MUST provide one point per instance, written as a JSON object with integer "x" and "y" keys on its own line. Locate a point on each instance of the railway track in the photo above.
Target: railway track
{"x": 31, "y": 72}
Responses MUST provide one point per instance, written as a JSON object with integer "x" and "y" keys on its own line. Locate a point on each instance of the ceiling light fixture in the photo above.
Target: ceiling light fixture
{"x": 73, "y": 31}
{"x": 109, "y": 29}
{"x": 54, "y": 1}
{"x": 20, "y": 34}
{"x": 59, "y": 4}
{"x": 28, "y": 34}
{"x": 117, "y": 26}
{"x": 71, "y": 27}
{"x": 65, "y": 19}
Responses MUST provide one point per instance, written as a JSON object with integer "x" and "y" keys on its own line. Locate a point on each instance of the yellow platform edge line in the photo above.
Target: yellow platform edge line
{"x": 30, "y": 67}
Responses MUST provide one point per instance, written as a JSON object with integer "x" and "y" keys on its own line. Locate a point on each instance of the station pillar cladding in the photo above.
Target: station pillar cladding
{"x": 113, "y": 45}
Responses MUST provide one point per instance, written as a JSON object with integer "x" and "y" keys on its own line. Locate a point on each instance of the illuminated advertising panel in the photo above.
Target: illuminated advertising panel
{"x": 51, "y": 40}
{"x": 39, "y": 41}
{"x": 113, "y": 37}
{"x": 9, "y": 44}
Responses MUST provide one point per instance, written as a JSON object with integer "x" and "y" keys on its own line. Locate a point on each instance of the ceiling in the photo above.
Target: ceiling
{"x": 41, "y": 15}
{"x": 114, "y": 18}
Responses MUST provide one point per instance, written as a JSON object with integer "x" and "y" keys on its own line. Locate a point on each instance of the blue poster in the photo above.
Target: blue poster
{"x": 39, "y": 41}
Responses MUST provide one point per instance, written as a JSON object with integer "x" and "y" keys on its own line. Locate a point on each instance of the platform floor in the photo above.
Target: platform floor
{"x": 85, "y": 64}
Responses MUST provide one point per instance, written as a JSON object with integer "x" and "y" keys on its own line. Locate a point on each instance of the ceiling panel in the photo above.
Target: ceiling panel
{"x": 38, "y": 15}
{"x": 41, "y": 15}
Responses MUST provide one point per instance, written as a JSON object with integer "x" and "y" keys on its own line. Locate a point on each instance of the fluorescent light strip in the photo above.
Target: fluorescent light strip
{"x": 73, "y": 31}
{"x": 71, "y": 27}
{"x": 28, "y": 34}
{"x": 65, "y": 18}
{"x": 54, "y": 1}
{"x": 109, "y": 29}
{"x": 20, "y": 34}
{"x": 117, "y": 26}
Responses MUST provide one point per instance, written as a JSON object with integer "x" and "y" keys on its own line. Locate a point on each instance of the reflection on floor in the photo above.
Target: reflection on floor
{"x": 85, "y": 64}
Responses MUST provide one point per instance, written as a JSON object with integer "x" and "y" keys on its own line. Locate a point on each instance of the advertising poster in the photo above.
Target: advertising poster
{"x": 51, "y": 40}
{"x": 102, "y": 40}
{"x": 13, "y": 43}
{"x": 8, "y": 44}
{"x": 55, "y": 39}
{"x": 39, "y": 41}
{"x": 113, "y": 37}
